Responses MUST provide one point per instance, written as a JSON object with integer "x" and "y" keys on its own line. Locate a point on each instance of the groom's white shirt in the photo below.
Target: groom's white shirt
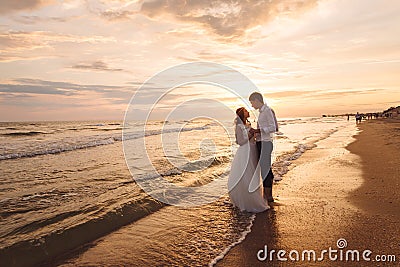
{"x": 266, "y": 124}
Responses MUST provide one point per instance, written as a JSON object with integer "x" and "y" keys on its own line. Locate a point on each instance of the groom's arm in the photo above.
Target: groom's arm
{"x": 266, "y": 122}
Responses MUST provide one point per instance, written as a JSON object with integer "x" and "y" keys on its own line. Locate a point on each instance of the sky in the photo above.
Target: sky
{"x": 85, "y": 60}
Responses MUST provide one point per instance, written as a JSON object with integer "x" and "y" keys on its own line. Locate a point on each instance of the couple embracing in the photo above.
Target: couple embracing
{"x": 251, "y": 178}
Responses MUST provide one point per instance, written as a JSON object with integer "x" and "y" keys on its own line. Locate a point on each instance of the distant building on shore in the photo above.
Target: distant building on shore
{"x": 393, "y": 112}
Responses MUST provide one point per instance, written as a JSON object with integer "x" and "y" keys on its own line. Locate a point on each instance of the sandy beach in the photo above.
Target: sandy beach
{"x": 334, "y": 191}
{"x": 342, "y": 184}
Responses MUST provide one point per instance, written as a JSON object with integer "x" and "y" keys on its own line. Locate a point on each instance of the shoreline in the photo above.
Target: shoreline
{"x": 326, "y": 196}
{"x": 379, "y": 196}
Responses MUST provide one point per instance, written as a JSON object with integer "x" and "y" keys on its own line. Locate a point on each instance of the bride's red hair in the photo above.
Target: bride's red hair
{"x": 240, "y": 113}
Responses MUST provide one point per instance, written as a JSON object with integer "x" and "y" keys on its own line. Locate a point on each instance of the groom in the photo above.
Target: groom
{"x": 266, "y": 125}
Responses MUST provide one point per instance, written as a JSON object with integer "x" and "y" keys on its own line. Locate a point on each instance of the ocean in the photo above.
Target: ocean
{"x": 64, "y": 185}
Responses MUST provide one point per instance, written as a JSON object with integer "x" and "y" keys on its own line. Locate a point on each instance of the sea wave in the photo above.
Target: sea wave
{"x": 93, "y": 141}
{"x": 188, "y": 168}
{"x": 99, "y": 222}
{"x": 16, "y": 134}
{"x": 37, "y": 251}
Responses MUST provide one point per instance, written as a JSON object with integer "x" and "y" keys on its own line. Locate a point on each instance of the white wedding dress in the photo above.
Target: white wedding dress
{"x": 245, "y": 183}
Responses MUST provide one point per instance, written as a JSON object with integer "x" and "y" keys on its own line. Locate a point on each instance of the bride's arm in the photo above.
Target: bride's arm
{"x": 242, "y": 135}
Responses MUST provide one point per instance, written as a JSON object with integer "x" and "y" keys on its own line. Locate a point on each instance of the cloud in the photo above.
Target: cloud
{"x": 30, "y": 39}
{"x": 8, "y": 6}
{"x": 11, "y": 58}
{"x": 95, "y": 66}
{"x": 27, "y": 19}
{"x": 226, "y": 18}
{"x": 314, "y": 94}
{"x": 114, "y": 10}
{"x": 15, "y": 45}
{"x": 41, "y": 87}
{"x": 24, "y": 87}
{"x": 284, "y": 94}
{"x": 13, "y": 40}
{"x": 335, "y": 94}
{"x": 116, "y": 14}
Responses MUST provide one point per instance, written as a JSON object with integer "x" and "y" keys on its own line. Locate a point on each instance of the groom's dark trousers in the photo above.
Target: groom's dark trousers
{"x": 264, "y": 158}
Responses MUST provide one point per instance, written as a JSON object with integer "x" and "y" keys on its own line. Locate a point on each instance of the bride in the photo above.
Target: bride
{"x": 245, "y": 183}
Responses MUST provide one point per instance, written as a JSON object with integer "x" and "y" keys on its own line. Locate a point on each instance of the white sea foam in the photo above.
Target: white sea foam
{"x": 62, "y": 144}
{"x": 240, "y": 240}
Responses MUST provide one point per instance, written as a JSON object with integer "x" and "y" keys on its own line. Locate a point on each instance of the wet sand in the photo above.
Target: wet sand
{"x": 338, "y": 190}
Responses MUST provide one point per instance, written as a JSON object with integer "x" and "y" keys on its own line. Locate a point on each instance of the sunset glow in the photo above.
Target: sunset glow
{"x": 83, "y": 60}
